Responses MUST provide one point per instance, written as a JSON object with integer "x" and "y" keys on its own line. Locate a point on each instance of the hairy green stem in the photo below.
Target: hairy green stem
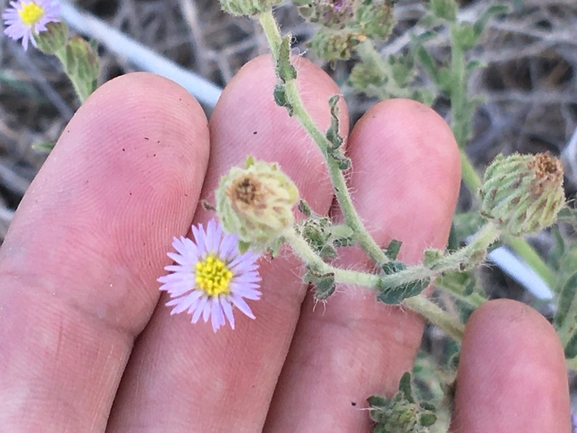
{"x": 272, "y": 33}
{"x": 473, "y": 181}
{"x": 304, "y": 251}
{"x": 366, "y": 242}
{"x": 79, "y": 88}
{"x": 470, "y": 176}
{"x": 436, "y": 315}
{"x": 419, "y": 303}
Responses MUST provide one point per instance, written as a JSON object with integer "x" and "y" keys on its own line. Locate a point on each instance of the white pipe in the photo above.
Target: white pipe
{"x": 139, "y": 55}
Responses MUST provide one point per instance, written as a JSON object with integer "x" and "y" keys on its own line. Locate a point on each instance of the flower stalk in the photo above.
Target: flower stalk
{"x": 366, "y": 242}
{"x": 422, "y": 305}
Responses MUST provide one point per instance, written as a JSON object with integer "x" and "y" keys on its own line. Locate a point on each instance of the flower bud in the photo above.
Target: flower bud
{"x": 247, "y": 7}
{"x": 54, "y": 38}
{"x": 255, "y": 202}
{"x": 522, "y": 194}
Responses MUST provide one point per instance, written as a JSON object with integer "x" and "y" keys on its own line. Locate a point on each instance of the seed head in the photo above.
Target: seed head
{"x": 523, "y": 193}
{"x": 255, "y": 202}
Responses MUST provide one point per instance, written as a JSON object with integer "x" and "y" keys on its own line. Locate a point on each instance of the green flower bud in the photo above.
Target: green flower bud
{"x": 255, "y": 203}
{"x": 247, "y": 7}
{"x": 53, "y": 39}
{"x": 522, "y": 194}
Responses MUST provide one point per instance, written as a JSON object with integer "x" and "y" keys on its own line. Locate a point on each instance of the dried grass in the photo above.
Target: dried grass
{"x": 529, "y": 82}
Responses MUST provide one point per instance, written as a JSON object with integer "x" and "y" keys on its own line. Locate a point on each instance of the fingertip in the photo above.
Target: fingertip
{"x": 512, "y": 373}
{"x": 410, "y": 174}
{"x": 123, "y": 178}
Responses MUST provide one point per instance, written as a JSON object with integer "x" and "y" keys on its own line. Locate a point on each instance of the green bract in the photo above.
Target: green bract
{"x": 522, "y": 194}
{"x": 255, "y": 203}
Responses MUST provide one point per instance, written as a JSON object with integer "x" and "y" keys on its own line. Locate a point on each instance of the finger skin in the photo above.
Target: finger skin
{"x": 512, "y": 375}
{"x": 79, "y": 265}
{"x": 405, "y": 180}
{"x": 184, "y": 377}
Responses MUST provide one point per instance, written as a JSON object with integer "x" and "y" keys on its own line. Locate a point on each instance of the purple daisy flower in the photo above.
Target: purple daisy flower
{"x": 24, "y": 19}
{"x": 211, "y": 276}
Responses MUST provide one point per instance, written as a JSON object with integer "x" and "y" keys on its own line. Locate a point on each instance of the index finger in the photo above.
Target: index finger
{"x": 79, "y": 265}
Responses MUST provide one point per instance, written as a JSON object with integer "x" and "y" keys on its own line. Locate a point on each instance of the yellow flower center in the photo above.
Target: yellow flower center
{"x": 31, "y": 13}
{"x": 213, "y": 276}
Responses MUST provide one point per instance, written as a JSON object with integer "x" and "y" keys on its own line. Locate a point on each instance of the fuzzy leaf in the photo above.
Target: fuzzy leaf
{"x": 284, "y": 69}
{"x": 394, "y": 295}
{"x": 566, "y": 299}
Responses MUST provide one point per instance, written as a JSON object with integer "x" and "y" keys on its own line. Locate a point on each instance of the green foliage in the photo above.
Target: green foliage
{"x": 324, "y": 284}
{"x": 345, "y": 24}
{"x": 392, "y": 250}
{"x": 567, "y": 297}
{"x": 402, "y": 413}
{"x": 395, "y": 294}
{"x": 334, "y": 137}
{"x": 53, "y": 39}
{"x": 82, "y": 65}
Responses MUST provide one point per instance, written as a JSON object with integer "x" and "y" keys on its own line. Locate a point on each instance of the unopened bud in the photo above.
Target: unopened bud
{"x": 522, "y": 194}
{"x": 53, "y": 38}
{"x": 255, "y": 202}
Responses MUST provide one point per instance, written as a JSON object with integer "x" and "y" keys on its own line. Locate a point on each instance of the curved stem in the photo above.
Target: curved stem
{"x": 436, "y": 315}
{"x": 304, "y": 251}
{"x": 366, "y": 242}
{"x": 419, "y": 303}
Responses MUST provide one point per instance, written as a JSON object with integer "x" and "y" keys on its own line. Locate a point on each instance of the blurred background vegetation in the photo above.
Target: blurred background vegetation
{"x": 529, "y": 85}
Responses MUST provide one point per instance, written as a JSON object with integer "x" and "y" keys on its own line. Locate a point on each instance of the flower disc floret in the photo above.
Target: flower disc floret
{"x": 210, "y": 276}
{"x": 213, "y": 276}
{"x": 25, "y": 19}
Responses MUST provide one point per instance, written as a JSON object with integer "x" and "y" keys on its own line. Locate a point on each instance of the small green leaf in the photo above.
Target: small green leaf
{"x": 333, "y": 134}
{"x": 284, "y": 69}
{"x": 431, "y": 256}
{"x": 44, "y": 147}
{"x": 566, "y": 299}
{"x": 571, "y": 347}
{"x": 491, "y": 11}
{"x": 304, "y": 208}
{"x": 444, "y": 9}
{"x": 281, "y": 99}
{"x": 394, "y": 295}
{"x": 243, "y": 246}
{"x": 324, "y": 284}
{"x": 428, "y": 419}
{"x": 392, "y": 250}
{"x": 405, "y": 387}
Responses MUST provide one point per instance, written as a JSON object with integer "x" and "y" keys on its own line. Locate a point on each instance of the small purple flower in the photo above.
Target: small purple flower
{"x": 211, "y": 276}
{"x": 24, "y": 19}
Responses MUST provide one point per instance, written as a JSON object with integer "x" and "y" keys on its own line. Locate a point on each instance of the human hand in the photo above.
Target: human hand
{"x": 86, "y": 346}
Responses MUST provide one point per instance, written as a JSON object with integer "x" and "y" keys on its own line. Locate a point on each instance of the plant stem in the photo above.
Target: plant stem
{"x": 470, "y": 176}
{"x": 366, "y": 242}
{"x": 419, "y": 303}
{"x": 459, "y": 121}
{"x": 272, "y": 33}
{"x": 304, "y": 251}
{"x": 436, "y": 315}
{"x": 519, "y": 245}
{"x": 79, "y": 88}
